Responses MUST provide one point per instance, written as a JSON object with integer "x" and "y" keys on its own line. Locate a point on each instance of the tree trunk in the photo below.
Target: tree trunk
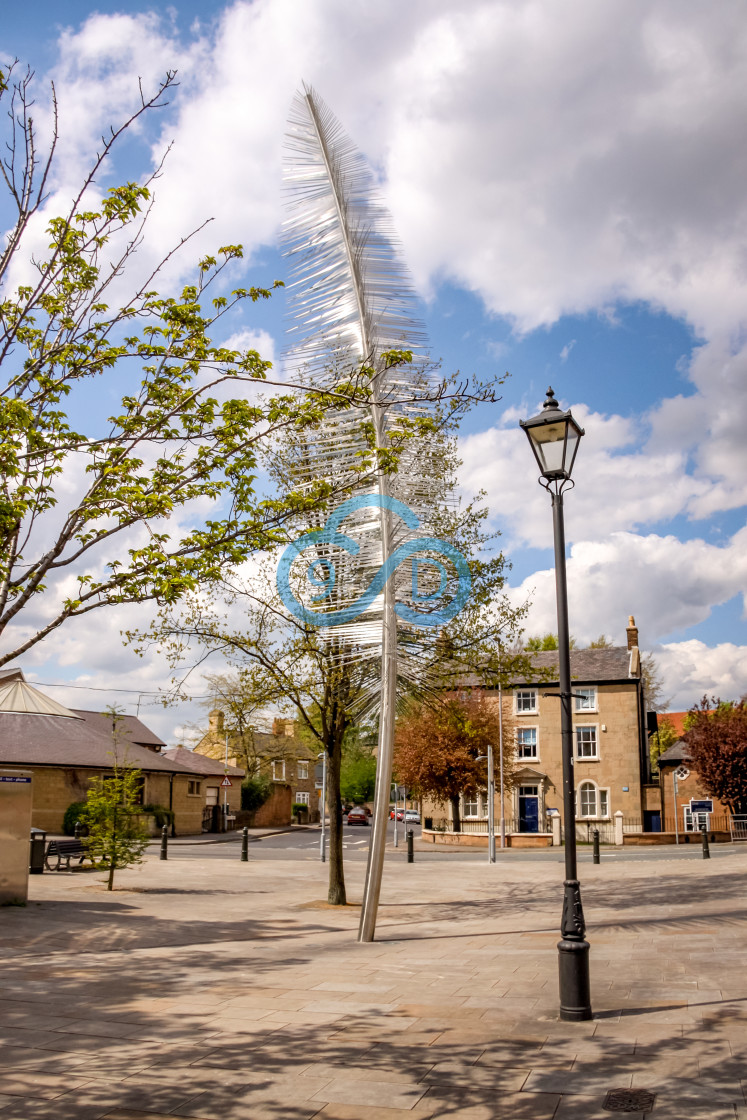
{"x": 336, "y": 895}
{"x": 456, "y": 820}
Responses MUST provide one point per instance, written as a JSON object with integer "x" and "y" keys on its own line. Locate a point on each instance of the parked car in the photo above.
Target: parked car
{"x": 357, "y": 815}
{"x": 411, "y": 815}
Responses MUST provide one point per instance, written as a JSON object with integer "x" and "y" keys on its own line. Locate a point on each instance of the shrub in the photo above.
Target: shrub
{"x": 72, "y": 816}
{"x": 254, "y": 793}
{"x": 299, "y": 807}
{"x": 163, "y": 815}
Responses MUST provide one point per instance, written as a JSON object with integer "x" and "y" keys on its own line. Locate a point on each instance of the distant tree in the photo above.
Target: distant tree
{"x": 717, "y": 749}
{"x": 538, "y": 644}
{"x": 652, "y": 684}
{"x": 661, "y": 741}
{"x": 602, "y": 642}
{"x": 358, "y": 770}
{"x": 437, "y": 746}
{"x": 255, "y": 791}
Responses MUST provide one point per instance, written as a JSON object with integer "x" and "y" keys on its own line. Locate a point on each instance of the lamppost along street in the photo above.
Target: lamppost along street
{"x": 323, "y": 837}
{"x": 491, "y": 801}
{"x": 554, "y": 437}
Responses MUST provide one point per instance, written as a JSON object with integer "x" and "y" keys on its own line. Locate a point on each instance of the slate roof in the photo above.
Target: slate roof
{"x": 201, "y": 763}
{"x": 44, "y": 740}
{"x": 588, "y": 666}
{"x": 676, "y": 753}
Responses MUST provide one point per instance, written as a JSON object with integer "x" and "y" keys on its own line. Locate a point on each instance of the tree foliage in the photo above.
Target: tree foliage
{"x": 661, "y": 741}
{"x": 358, "y": 769}
{"x": 717, "y": 749}
{"x": 437, "y": 746}
{"x": 540, "y": 643}
{"x": 99, "y": 496}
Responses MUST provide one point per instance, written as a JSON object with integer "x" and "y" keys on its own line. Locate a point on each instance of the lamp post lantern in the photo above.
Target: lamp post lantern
{"x": 554, "y": 437}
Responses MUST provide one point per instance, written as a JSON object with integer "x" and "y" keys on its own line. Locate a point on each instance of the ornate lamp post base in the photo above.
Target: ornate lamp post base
{"x": 573, "y": 957}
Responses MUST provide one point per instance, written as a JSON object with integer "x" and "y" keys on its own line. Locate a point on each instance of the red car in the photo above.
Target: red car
{"x": 356, "y": 815}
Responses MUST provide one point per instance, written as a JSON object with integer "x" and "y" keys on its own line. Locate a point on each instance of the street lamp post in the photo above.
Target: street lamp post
{"x": 491, "y": 801}
{"x": 323, "y": 837}
{"x": 554, "y": 437}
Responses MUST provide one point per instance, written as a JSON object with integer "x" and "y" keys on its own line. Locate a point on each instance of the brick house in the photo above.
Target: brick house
{"x": 280, "y": 754}
{"x": 610, "y": 735}
{"x": 686, "y": 804}
{"x": 64, "y": 748}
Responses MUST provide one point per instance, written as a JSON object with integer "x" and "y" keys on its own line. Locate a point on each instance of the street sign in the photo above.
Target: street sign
{"x": 701, "y": 806}
{"x": 226, "y": 781}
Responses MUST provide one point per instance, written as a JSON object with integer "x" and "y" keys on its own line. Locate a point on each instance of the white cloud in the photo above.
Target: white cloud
{"x": 692, "y": 669}
{"x": 565, "y": 352}
{"x": 667, "y": 584}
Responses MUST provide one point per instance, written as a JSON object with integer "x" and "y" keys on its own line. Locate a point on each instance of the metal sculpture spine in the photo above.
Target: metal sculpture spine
{"x": 353, "y": 304}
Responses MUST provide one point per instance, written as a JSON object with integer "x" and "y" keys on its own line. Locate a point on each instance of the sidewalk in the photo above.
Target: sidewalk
{"x": 226, "y": 991}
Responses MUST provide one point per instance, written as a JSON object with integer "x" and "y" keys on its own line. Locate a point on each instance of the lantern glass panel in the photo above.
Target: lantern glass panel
{"x": 549, "y": 441}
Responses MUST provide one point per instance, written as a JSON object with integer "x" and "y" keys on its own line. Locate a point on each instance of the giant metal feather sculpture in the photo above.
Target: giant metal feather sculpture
{"x": 352, "y": 304}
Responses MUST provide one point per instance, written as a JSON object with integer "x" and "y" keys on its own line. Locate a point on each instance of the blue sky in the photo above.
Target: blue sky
{"x": 568, "y": 185}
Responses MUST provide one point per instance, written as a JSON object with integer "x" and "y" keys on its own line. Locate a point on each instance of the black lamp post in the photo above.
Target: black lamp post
{"x": 554, "y": 436}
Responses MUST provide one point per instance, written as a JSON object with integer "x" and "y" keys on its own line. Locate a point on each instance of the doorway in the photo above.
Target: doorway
{"x": 528, "y": 808}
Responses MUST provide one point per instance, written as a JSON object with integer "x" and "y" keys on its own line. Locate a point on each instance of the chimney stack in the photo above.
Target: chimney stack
{"x": 632, "y": 632}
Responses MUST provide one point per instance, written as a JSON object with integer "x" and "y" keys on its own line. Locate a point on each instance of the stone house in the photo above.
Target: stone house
{"x": 65, "y": 748}
{"x": 610, "y": 735}
{"x": 209, "y": 775}
{"x": 280, "y": 754}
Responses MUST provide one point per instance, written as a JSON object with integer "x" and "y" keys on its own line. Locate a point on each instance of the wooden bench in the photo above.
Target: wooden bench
{"x": 64, "y": 850}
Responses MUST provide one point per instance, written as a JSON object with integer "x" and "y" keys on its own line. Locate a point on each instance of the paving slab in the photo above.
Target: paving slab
{"x": 204, "y": 989}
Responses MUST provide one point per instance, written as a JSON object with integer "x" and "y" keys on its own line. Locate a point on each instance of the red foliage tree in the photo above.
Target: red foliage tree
{"x": 436, "y": 748}
{"x": 716, "y": 738}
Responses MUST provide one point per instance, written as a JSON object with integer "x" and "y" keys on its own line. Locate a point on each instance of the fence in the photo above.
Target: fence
{"x": 736, "y": 826}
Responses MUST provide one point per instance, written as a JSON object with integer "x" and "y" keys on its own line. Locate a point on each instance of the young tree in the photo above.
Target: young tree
{"x": 437, "y": 746}
{"x": 111, "y": 814}
{"x": 116, "y": 836}
{"x": 717, "y": 749}
{"x": 84, "y": 514}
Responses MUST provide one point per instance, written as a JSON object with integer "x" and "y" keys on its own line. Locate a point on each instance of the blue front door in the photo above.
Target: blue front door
{"x": 528, "y": 809}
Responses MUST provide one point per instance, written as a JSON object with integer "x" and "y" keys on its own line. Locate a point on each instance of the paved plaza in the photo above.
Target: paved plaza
{"x": 212, "y": 989}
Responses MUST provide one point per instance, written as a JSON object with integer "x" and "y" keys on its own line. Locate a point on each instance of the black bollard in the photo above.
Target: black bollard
{"x": 245, "y": 845}
{"x": 410, "y": 850}
{"x": 78, "y": 830}
{"x": 704, "y": 835}
{"x": 165, "y": 842}
{"x": 595, "y": 857}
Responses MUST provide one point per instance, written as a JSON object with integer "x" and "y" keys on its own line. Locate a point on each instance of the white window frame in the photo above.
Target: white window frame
{"x": 480, "y": 801}
{"x": 590, "y": 694}
{"x": 278, "y": 763}
{"x": 693, "y": 822}
{"x": 527, "y": 757}
{"x": 576, "y": 753}
{"x": 600, "y": 793}
{"x": 303, "y": 769}
{"x": 519, "y": 699}
{"x": 302, "y": 798}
